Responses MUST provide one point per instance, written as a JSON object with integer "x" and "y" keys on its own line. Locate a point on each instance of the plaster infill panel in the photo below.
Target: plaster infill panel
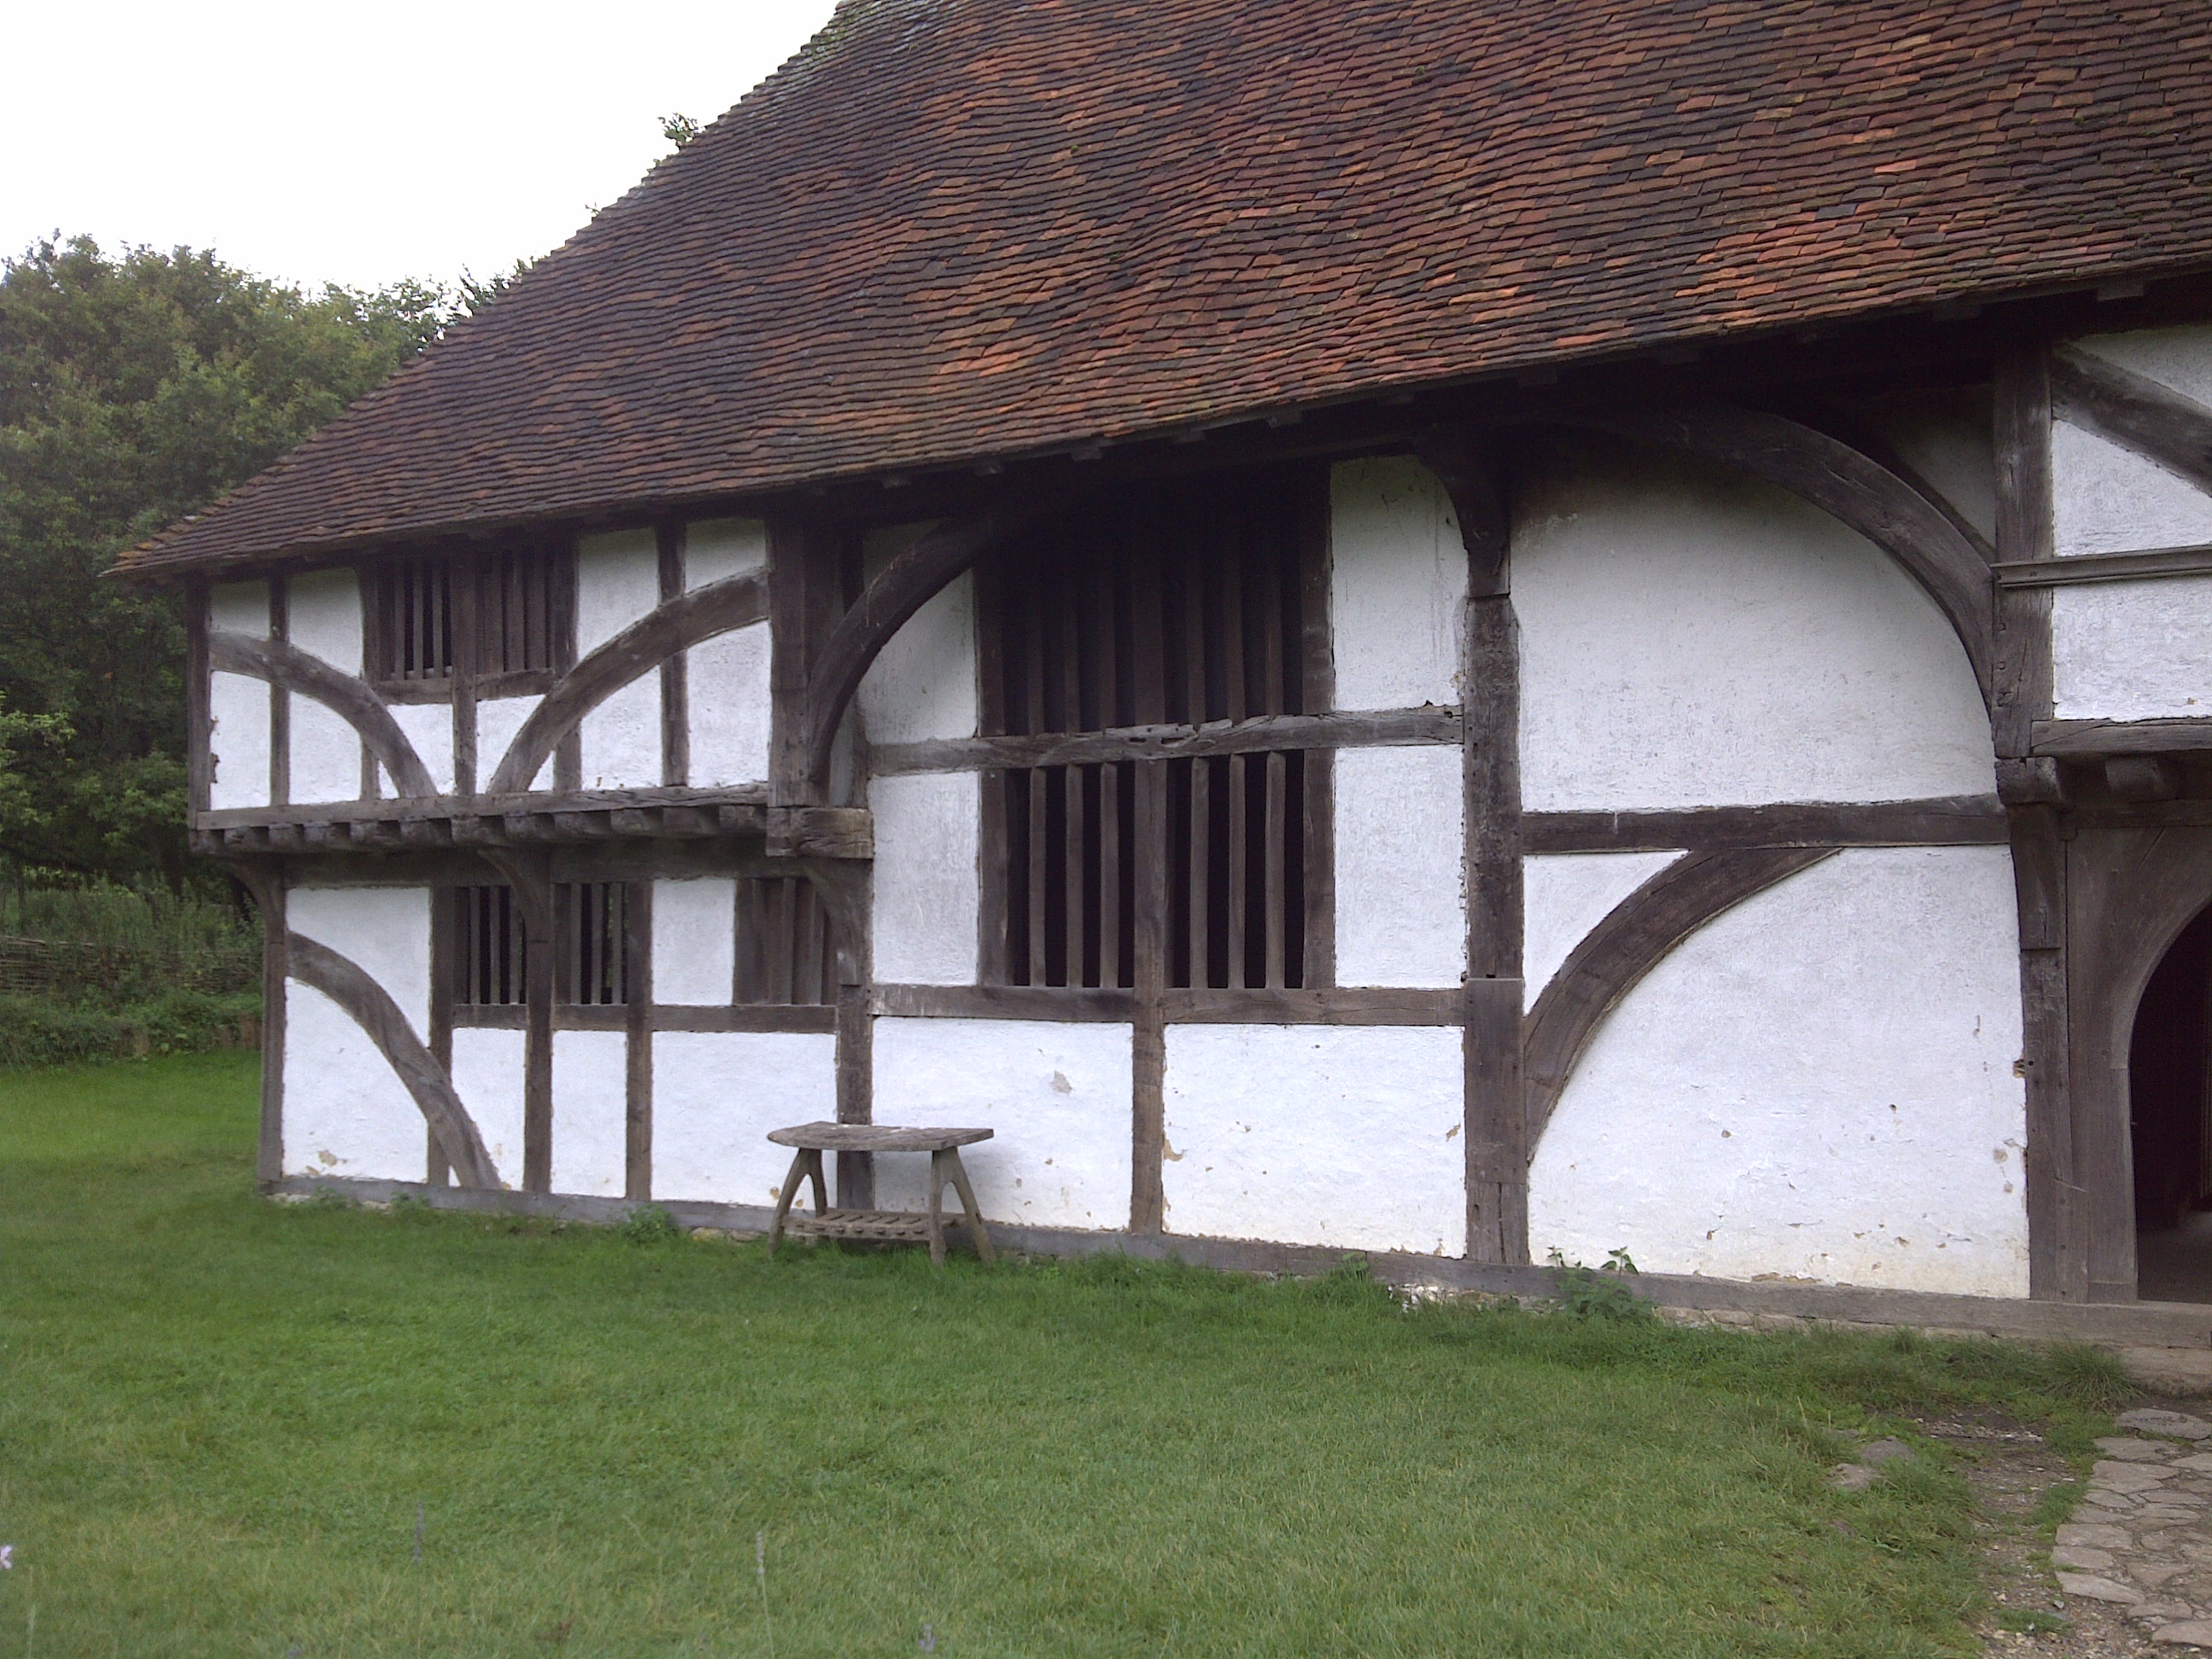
{"x": 621, "y": 738}
{"x": 1564, "y": 895}
{"x": 498, "y": 720}
{"x": 618, "y": 582}
{"x": 695, "y": 942}
{"x": 2132, "y": 650}
{"x": 715, "y": 550}
{"x": 429, "y": 727}
{"x": 922, "y": 684}
{"x": 383, "y": 931}
{"x": 1057, "y": 1094}
{"x": 591, "y": 1113}
{"x": 326, "y": 754}
{"x": 1400, "y": 895}
{"x": 324, "y": 608}
{"x": 238, "y": 740}
{"x": 346, "y": 1113}
{"x": 2104, "y": 499}
{"x": 727, "y": 682}
{"x": 488, "y": 1076}
{"x": 1397, "y": 585}
{"x": 1818, "y": 1084}
{"x": 717, "y": 1094}
{"x": 1688, "y": 638}
{"x": 240, "y": 608}
{"x": 1346, "y": 1136}
{"x": 927, "y": 893}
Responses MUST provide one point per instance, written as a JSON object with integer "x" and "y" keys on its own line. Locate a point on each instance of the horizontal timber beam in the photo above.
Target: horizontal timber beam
{"x": 1378, "y": 728}
{"x": 2121, "y": 736}
{"x": 1946, "y": 821}
{"x": 2080, "y": 567}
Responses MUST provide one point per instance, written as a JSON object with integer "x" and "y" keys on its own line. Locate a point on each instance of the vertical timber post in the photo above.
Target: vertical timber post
{"x": 637, "y": 1050}
{"x": 2057, "y": 1211}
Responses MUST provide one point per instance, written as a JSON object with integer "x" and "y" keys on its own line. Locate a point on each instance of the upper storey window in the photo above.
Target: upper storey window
{"x": 490, "y": 615}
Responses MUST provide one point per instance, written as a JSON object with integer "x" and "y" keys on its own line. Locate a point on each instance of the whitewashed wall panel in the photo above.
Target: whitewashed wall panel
{"x": 1953, "y": 452}
{"x": 1564, "y": 895}
{"x": 238, "y": 741}
{"x": 383, "y": 931}
{"x": 1397, "y": 585}
{"x": 923, "y": 683}
{"x": 2132, "y": 650}
{"x": 326, "y": 754}
{"x": 715, "y": 550}
{"x": 729, "y": 687}
{"x": 694, "y": 941}
{"x": 1818, "y": 1084}
{"x": 346, "y": 1112}
{"x": 1338, "y": 1135}
{"x": 591, "y": 1113}
{"x": 429, "y": 727}
{"x": 240, "y": 608}
{"x": 488, "y": 1076}
{"x": 619, "y": 741}
{"x": 618, "y": 582}
{"x": 1400, "y": 895}
{"x": 717, "y": 1094}
{"x": 498, "y": 720}
{"x": 325, "y": 617}
{"x": 1691, "y": 640}
{"x": 927, "y": 892}
{"x": 1058, "y": 1096}
{"x": 2105, "y": 499}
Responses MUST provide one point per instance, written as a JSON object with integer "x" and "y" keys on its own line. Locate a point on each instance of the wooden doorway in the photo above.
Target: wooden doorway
{"x": 2170, "y": 1122}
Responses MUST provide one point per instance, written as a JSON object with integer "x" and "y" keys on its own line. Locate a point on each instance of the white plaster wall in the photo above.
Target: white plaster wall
{"x": 717, "y": 1094}
{"x": 325, "y": 617}
{"x": 325, "y": 754}
{"x": 1564, "y": 895}
{"x": 695, "y": 941}
{"x": 1400, "y": 896}
{"x": 2105, "y": 499}
{"x": 429, "y": 727}
{"x": 619, "y": 739}
{"x": 1818, "y": 1084}
{"x": 591, "y": 1113}
{"x": 1342, "y": 1135}
{"x": 1690, "y": 640}
{"x": 240, "y": 608}
{"x": 1058, "y": 1096}
{"x": 346, "y": 1113}
{"x": 488, "y": 1076}
{"x": 2132, "y": 650}
{"x": 727, "y": 683}
{"x": 923, "y": 683}
{"x": 618, "y": 581}
{"x": 715, "y": 550}
{"x": 497, "y": 721}
{"x": 927, "y": 895}
{"x": 1397, "y": 585}
{"x": 383, "y": 931}
{"x": 1955, "y": 454}
{"x": 238, "y": 740}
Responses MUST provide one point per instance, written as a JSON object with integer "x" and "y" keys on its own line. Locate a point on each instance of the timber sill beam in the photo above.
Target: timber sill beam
{"x": 2091, "y": 737}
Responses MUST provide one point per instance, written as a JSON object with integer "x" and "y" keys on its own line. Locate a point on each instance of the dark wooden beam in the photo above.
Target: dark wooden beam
{"x": 2080, "y": 568}
{"x": 1631, "y": 940}
{"x": 344, "y": 695}
{"x": 1948, "y": 821}
{"x": 675, "y": 669}
{"x": 1429, "y": 724}
{"x": 372, "y": 1007}
{"x": 2134, "y": 411}
{"x": 266, "y": 879}
{"x": 637, "y": 1050}
{"x": 530, "y": 874}
{"x": 2088, "y": 738}
{"x": 644, "y": 646}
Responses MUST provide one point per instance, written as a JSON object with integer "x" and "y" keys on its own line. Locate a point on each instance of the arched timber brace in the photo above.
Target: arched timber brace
{"x": 1490, "y": 677}
{"x": 885, "y": 605}
{"x": 1839, "y": 480}
{"x": 651, "y": 640}
{"x": 2134, "y": 412}
{"x": 290, "y": 669}
{"x": 373, "y": 1008}
{"x": 1632, "y": 940}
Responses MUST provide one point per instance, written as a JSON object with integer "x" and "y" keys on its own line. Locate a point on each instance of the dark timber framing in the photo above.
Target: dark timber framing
{"x": 2133, "y": 411}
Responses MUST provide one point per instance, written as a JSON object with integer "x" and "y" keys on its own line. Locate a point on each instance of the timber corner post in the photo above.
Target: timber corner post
{"x": 1496, "y": 1108}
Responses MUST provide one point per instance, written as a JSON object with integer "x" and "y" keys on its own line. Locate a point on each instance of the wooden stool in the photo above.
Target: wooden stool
{"x": 943, "y": 1145}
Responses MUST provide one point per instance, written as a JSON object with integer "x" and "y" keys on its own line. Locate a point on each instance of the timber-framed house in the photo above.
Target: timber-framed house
{"x": 1454, "y": 631}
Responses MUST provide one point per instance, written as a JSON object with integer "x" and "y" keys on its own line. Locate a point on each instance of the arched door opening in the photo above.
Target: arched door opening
{"x": 2170, "y": 1119}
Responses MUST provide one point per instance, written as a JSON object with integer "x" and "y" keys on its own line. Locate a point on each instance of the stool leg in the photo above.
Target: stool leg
{"x": 783, "y": 1201}
{"x": 937, "y": 1209}
{"x": 975, "y": 1210}
{"x": 814, "y": 1173}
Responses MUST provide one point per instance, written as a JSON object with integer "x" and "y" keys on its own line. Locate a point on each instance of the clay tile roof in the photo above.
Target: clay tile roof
{"x": 954, "y": 228}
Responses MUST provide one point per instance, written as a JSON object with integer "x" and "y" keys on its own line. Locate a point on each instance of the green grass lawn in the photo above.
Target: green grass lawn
{"x": 218, "y": 1417}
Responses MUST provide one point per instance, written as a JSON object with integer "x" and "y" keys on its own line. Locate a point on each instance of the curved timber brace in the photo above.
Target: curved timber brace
{"x": 910, "y": 582}
{"x": 2134, "y": 411}
{"x": 346, "y": 695}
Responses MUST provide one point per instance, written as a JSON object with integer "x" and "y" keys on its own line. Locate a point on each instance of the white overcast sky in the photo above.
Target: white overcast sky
{"x": 357, "y": 144}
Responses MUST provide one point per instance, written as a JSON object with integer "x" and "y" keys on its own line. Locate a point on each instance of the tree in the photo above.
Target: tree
{"x": 134, "y": 390}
